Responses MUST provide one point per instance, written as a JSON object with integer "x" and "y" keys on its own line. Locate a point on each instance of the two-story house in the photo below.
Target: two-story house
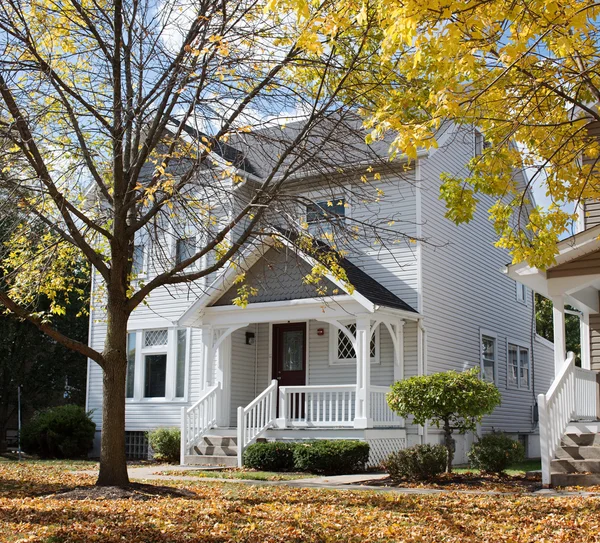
{"x": 300, "y": 362}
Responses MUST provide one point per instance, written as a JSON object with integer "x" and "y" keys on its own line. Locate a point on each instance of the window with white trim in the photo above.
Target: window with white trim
{"x": 184, "y": 248}
{"x": 488, "y": 357}
{"x": 326, "y": 211}
{"x": 522, "y": 292}
{"x": 481, "y": 143}
{"x": 138, "y": 265}
{"x": 157, "y": 362}
{"x": 519, "y": 366}
{"x": 341, "y": 350}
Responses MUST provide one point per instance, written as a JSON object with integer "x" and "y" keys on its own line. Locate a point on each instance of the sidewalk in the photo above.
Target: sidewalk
{"x": 336, "y": 482}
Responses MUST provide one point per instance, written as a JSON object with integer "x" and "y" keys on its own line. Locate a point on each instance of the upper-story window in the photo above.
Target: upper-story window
{"x": 138, "y": 263}
{"x": 521, "y": 293}
{"x": 519, "y": 369}
{"x": 326, "y": 211}
{"x": 184, "y": 248}
{"x": 480, "y": 143}
{"x": 488, "y": 357}
{"x": 341, "y": 350}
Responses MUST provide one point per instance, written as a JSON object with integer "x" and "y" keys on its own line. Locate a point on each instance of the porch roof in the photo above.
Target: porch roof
{"x": 363, "y": 292}
{"x": 574, "y": 275}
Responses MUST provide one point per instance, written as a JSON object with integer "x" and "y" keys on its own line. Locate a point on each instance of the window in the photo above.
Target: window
{"x": 341, "y": 349}
{"x": 488, "y": 358}
{"x": 137, "y": 265}
{"x": 184, "y": 248}
{"x": 481, "y": 143}
{"x": 157, "y": 362}
{"x": 326, "y": 211}
{"x": 518, "y": 366}
{"x": 521, "y": 293}
{"x": 130, "y": 378}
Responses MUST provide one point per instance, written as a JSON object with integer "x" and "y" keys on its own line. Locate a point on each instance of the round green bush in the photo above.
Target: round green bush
{"x": 495, "y": 452}
{"x": 166, "y": 444}
{"x": 420, "y": 462}
{"x": 66, "y": 431}
{"x": 331, "y": 457}
{"x": 271, "y": 456}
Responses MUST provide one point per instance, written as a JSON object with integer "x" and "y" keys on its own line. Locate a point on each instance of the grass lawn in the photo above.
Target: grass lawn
{"x": 225, "y": 512}
{"x": 241, "y": 474}
{"x": 520, "y": 468}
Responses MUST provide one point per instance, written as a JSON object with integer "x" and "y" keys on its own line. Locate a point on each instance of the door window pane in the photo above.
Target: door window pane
{"x": 181, "y": 350}
{"x": 293, "y": 350}
{"x": 156, "y": 374}
{"x": 130, "y": 378}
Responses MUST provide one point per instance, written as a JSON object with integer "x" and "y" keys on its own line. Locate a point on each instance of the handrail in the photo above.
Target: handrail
{"x": 572, "y": 395}
{"x": 197, "y": 420}
{"x": 256, "y": 418}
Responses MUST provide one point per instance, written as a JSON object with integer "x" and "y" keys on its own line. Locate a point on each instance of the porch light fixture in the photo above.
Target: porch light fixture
{"x": 249, "y": 338}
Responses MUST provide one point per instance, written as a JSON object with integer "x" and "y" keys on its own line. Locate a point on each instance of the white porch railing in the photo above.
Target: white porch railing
{"x": 316, "y": 406}
{"x": 381, "y": 413}
{"x": 197, "y": 420}
{"x": 254, "y": 419}
{"x": 572, "y": 396}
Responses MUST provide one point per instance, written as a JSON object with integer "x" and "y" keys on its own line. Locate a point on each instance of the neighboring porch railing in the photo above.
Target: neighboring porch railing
{"x": 572, "y": 396}
{"x": 318, "y": 406}
{"x": 381, "y": 413}
{"x": 254, "y": 419}
{"x": 197, "y": 420}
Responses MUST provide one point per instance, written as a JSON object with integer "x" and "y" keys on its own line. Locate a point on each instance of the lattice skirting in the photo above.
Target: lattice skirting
{"x": 382, "y": 448}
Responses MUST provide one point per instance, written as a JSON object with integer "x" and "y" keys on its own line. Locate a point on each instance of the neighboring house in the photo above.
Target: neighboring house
{"x": 569, "y": 412}
{"x": 297, "y": 364}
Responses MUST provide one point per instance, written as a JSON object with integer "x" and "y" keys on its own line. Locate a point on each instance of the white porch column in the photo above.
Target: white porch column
{"x": 362, "y": 415}
{"x": 584, "y": 331}
{"x": 209, "y": 356}
{"x": 399, "y": 352}
{"x": 558, "y": 323}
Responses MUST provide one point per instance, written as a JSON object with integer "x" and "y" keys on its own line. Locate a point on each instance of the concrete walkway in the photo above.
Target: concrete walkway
{"x": 338, "y": 482}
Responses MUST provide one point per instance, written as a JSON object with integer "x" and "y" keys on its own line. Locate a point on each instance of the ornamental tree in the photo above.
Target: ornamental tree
{"x": 128, "y": 126}
{"x": 456, "y": 401}
{"x": 524, "y": 72}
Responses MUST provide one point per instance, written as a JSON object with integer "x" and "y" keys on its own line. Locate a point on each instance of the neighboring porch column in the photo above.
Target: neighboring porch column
{"x": 362, "y": 414}
{"x": 558, "y": 323}
{"x": 209, "y": 356}
{"x": 584, "y": 331}
{"x": 399, "y": 352}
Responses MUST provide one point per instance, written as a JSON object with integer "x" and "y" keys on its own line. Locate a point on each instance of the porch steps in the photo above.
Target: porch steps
{"x": 217, "y": 449}
{"x": 577, "y": 460}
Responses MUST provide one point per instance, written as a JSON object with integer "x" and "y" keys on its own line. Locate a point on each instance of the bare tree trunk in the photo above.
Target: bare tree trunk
{"x": 113, "y": 464}
{"x": 448, "y": 443}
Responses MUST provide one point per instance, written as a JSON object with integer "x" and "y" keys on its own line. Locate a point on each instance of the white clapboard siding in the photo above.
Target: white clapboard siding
{"x": 243, "y": 371}
{"x": 464, "y": 290}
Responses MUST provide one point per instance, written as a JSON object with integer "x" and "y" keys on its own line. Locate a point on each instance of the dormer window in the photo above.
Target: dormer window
{"x": 326, "y": 211}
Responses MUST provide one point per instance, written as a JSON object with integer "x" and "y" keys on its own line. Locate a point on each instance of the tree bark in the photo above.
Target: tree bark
{"x": 113, "y": 464}
{"x": 448, "y": 443}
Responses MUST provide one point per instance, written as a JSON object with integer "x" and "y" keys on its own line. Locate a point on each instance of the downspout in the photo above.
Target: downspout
{"x": 535, "y": 417}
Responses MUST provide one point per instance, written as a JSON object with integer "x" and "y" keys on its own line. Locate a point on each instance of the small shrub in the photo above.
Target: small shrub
{"x": 66, "y": 431}
{"x": 166, "y": 444}
{"x": 331, "y": 457}
{"x": 494, "y": 452}
{"x": 416, "y": 463}
{"x": 271, "y": 456}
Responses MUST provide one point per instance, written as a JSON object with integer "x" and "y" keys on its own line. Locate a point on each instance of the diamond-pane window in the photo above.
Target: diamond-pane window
{"x": 345, "y": 351}
{"x": 155, "y": 338}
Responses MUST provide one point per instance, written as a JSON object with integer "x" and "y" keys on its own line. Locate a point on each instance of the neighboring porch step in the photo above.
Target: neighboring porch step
{"x": 575, "y": 479}
{"x": 575, "y": 466}
{"x": 580, "y": 440}
{"x": 210, "y": 460}
{"x": 583, "y": 427}
{"x": 575, "y": 452}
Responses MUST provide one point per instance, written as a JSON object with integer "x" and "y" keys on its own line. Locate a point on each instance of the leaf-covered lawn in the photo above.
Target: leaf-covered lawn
{"x": 226, "y": 512}
{"x": 240, "y": 474}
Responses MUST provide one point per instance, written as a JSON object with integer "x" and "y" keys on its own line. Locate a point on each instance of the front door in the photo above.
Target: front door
{"x": 289, "y": 353}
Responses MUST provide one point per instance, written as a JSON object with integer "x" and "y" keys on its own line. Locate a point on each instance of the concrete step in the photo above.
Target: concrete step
{"x": 212, "y": 450}
{"x": 225, "y": 432}
{"x": 219, "y": 441}
{"x": 575, "y": 479}
{"x": 580, "y": 439}
{"x": 575, "y": 466}
{"x": 578, "y": 453}
{"x": 211, "y": 460}
{"x": 583, "y": 427}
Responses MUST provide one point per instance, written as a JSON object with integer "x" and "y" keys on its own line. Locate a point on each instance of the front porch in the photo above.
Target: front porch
{"x": 320, "y": 370}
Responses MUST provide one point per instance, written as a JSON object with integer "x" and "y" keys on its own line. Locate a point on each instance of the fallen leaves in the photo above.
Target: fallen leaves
{"x": 225, "y": 512}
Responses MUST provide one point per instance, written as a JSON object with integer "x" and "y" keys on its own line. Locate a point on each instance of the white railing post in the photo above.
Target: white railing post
{"x": 183, "y": 437}
{"x": 544, "y": 439}
{"x": 241, "y": 427}
{"x": 283, "y": 413}
{"x": 273, "y": 400}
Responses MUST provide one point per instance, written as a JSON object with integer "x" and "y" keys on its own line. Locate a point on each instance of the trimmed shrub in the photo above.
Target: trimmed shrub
{"x": 331, "y": 457}
{"x": 166, "y": 444}
{"x": 416, "y": 463}
{"x": 495, "y": 452}
{"x": 271, "y": 456}
{"x": 66, "y": 431}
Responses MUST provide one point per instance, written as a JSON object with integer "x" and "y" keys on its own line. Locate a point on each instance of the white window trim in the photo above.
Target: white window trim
{"x": 527, "y": 347}
{"x": 333, "y": 346}
{"x": 494, "y": 336}
{"x": 520, "y": 287}
{"x": 170, "y": 349}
